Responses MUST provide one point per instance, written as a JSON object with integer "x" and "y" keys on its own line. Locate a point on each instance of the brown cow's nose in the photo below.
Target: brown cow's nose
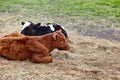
{"x": 67, "y": 47}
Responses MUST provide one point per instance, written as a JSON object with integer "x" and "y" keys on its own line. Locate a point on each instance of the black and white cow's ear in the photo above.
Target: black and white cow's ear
{"x": 38, "y": 24}
{"x": 22, "y": 23}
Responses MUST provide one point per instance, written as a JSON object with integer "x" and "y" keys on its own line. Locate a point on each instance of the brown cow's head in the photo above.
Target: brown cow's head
{"x": 59, "y": 41}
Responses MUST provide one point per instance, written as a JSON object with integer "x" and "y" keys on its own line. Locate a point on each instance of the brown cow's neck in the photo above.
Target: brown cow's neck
{"x": 47, "y": 41}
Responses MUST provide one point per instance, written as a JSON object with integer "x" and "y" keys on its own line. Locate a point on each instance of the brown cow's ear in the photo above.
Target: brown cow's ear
{"x": 55, "y": 36}
{"x": 59, "y": 30}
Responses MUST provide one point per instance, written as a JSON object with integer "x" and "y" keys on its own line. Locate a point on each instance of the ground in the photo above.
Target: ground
{"x": 94, "y": 53}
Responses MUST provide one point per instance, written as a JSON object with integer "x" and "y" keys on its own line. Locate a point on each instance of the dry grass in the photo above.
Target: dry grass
{"x": 89, "y": 58}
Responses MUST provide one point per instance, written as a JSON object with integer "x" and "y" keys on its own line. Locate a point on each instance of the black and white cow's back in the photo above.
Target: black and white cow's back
{"x": 32, "y": 29}
{"x": 58, "y": 27}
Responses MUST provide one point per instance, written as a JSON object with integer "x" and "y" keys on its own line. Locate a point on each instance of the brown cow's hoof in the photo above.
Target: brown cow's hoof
{"x": 47, "y": 59}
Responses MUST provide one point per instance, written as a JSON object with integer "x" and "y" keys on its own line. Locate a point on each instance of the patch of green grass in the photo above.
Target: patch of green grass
{"x": 105, "y": 9}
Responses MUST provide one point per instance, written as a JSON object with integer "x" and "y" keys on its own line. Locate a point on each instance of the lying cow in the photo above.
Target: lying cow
{"x": 35, "y": 48}
{"x": 32, "y": 29}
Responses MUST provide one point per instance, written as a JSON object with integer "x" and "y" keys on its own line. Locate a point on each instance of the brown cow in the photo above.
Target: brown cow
{"x": 35, "y": 48}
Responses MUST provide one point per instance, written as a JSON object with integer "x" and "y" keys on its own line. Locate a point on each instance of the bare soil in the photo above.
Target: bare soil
{"x": 94, "y": 55}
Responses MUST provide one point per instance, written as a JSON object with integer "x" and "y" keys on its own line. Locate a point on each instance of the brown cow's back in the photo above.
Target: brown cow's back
{"x": 14, "y": 34}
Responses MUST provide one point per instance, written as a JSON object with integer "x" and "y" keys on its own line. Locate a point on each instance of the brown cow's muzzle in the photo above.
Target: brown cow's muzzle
{"x": 67, "y": 47}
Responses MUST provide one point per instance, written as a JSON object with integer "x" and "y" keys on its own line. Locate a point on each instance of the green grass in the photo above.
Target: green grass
{"x": 104, "y": 9}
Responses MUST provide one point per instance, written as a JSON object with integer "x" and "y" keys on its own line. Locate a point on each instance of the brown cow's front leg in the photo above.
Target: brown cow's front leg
{"x": 37, "y": 58}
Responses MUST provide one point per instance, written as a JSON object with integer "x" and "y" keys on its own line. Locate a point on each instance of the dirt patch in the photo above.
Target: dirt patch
{"x": 98, "y": 31}
{"x": 89, "y": 58}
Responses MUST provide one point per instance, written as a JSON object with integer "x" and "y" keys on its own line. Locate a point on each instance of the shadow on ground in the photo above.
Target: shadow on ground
{"x": 99, "y": 32}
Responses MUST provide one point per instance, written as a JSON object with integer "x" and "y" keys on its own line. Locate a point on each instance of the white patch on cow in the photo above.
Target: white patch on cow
{"x": 62, "y": 27}
{"x": 25, "y": 25}
{"x": 51, "y": 27}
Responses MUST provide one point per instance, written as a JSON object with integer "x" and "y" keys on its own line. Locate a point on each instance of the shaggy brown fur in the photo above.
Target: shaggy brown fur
{"x": 35, "y": 48}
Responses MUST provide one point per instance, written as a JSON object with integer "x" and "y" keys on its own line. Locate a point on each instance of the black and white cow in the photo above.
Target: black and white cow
{"x": 31, "y": 29}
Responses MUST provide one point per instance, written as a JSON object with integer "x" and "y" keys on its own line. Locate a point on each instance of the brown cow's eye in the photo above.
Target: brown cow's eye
{"x": 61, "y": 40}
